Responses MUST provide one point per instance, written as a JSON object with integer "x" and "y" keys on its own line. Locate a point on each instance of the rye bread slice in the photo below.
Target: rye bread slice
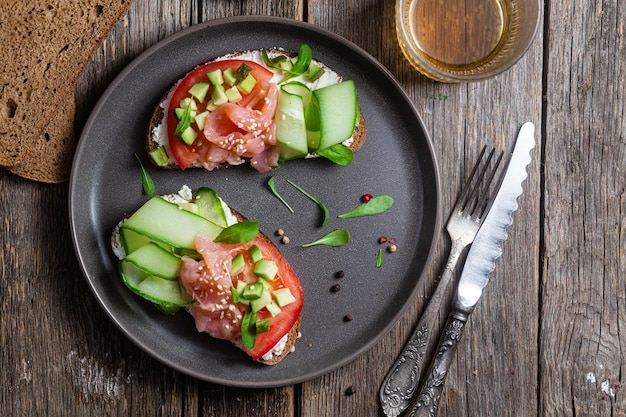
{"x": 158, "y": 116}
{"x": 294, "y": 333}
{"x": 45, "y": 46}
{"x": 50, "y": 158}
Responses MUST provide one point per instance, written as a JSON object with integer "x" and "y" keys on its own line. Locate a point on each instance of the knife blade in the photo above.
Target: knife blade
{"x": 480, "y": 262}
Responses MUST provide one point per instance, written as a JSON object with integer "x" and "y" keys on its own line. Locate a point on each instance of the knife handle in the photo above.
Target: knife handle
{"x": 426, "y": 403}
{"x": 402, "y": 380}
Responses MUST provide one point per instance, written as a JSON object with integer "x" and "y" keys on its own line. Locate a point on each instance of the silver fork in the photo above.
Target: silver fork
{"x": 467, "y": 216}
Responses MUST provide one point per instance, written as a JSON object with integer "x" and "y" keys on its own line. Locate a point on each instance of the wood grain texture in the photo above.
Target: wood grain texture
{"x": 583, "y": 291}
{"x": 550, "y": 320}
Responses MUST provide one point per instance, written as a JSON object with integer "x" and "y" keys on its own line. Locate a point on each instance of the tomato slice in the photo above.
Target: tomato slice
{"x": 283, "y": 322}
{"x": 182, "y": 153}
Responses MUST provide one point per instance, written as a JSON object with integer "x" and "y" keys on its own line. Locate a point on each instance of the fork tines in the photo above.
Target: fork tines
{"x": 476, "y": 195}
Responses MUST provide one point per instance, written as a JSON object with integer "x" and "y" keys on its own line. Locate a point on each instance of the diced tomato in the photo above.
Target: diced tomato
{"x": 183, "y": 154}
{"x": 283, "y": 322}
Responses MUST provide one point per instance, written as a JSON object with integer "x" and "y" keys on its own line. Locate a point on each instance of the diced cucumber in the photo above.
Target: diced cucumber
{"x": 189, "y": 135}
{"x": 338, "y": 108}
{"x": 273, "y": 309}
{"x": 253, "y": 291}
{"x": 167, "y": 293}
{"x": 247, "y": 84}
{"x": 263, "y": 326}
{"x": 200, "y": 119}
{"x": 215, "y": 77}
{"x": 258, "y": 303}
{"x": 210, "y": 206}
{"x": 162, "y": 221}
{"x": 229, "y": 76}
{"x": 199, "y": 90}
{"x": 218, "y": 96}
{"x": 238, "y": 264}
{"x": 159, "y": 156}
{"x": 266, "y": 269}
{"x": 255, "y": 253}
{"x": 233, "y": 94}
{"x": 155, "y": 260}
{"x": 283, "y": 297}
{"x": 290, "y": 126}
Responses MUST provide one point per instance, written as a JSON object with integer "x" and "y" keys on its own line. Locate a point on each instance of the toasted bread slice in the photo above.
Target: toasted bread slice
{"x": 287, "y": 341}
{"x": 158, "y": 123}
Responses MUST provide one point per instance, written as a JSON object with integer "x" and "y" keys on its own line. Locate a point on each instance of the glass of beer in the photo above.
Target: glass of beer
{"x": 465, "y": 40}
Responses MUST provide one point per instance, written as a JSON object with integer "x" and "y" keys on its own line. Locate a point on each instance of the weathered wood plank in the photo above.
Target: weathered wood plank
{"x": 583, "y": 291}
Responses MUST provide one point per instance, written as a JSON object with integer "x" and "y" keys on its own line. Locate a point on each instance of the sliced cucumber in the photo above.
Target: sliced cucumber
{"x": 162, "y": 221}
{"x": 290, "y": 126}
{"x": 155, "y": 260}
{"x": 160, "y": 291}
{"x": 132, "y": 240}
{"x": 210, "y": 206}
{"x": 338, "y": 106}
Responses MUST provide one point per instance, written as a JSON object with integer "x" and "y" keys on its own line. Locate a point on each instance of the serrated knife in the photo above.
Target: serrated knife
{"x": 480, "y": 262}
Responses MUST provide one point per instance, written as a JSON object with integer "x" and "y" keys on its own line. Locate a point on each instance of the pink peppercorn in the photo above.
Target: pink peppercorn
{"x": 366, "y": 197}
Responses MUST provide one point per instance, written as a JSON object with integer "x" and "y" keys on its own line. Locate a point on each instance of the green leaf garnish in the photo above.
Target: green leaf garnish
{"x": 248, "y": 328}
{"x": 146, "y": 179}
{"x": 337, "y": 237}
{"x": 300, "y": 67}
{"x": 379, "y": 258}
{"x": 339, "y": 154}
{"x": 315, "y": 200}
{"x": 241, "y": 232}
{"x": 376, "y": 205}
{"x": 184, "y": 122}
{"x": 270, "y": 183}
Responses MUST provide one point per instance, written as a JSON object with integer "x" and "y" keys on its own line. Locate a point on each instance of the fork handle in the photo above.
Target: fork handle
{"x": 402, "y": 380}
{"x": 426, "y": 403}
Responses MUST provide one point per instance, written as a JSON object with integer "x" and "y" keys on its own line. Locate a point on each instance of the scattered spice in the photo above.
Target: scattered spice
{"x": 382, "y": 239}
{"x": 280, "y": 232}
{"x": 339, "y": 274}
{"x": 350, "y": 390}
{"x": 392, "y": 248}
{"x": 284, "y": 240}
{"x": 392, "y": 240}
{"x": 335, "y": 288}
{"x": 348, "y": 317}
{"x": 366, "y": 197}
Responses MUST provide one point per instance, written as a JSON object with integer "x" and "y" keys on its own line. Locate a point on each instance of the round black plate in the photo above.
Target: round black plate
{"x": 396, "y": 159}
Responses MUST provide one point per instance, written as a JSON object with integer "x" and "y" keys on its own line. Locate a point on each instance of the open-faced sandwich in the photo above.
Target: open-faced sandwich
{"x": 190, "y": 250}
{"x": 261, "y": 107}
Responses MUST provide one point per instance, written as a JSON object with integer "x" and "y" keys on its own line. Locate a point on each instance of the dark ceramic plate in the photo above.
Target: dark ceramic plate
{"x": 397, "y": 159}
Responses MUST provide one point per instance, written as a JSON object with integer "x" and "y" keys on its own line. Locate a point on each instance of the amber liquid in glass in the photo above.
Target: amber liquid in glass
{"x": 458, "y": 34}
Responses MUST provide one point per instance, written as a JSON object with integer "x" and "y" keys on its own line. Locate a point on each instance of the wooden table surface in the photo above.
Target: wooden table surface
{"x": 548, "y": 337}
